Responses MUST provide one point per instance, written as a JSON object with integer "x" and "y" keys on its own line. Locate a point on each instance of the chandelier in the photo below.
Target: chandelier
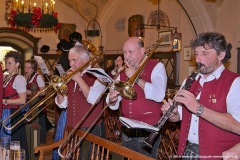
{"x": 32, "y": 15}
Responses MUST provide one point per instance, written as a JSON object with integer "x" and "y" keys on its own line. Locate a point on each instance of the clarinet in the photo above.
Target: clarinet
{"x": 3, "y": 71}
{"x": 150, "y": 139}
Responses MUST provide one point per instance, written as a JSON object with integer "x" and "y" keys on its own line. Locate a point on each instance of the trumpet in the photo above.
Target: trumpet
{"x": 150, "y": 139}
{"x": 116, "y": 69}
{"x": 60, "y": 86}
{"x": 118, "y": 85}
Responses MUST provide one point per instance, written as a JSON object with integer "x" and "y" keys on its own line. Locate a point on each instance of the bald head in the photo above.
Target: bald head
{"x": 133, "y": 50}
{"x": 135, "y": 40}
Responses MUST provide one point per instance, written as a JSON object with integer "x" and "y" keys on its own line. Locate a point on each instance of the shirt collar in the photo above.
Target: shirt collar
{"x": 215, "y": 75}
{"x": 84, "y": 71}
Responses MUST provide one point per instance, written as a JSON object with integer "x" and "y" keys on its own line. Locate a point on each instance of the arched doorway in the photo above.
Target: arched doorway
{"x": 20, "y": 41}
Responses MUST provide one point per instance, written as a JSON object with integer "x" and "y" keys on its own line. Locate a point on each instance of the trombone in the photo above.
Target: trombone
{"x": 60, "y": 86}
{"x": 124, "y": 88}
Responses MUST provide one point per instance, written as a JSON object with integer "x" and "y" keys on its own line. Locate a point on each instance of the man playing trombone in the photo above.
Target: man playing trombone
{"x": 150, "y": 87}
{"x": 83, "y": 90}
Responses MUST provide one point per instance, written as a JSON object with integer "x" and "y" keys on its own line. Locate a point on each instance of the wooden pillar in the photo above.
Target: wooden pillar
{"x": 33, "y": 133}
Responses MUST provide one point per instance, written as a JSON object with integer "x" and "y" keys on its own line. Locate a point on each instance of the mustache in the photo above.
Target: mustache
{"x": 199, "y": 64}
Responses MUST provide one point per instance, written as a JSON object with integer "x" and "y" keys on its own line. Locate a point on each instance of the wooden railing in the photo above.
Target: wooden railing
{"x": 103, "y": 149}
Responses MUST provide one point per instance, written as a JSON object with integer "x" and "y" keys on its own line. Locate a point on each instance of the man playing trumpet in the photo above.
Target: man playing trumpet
{"x": 150, "y": 88}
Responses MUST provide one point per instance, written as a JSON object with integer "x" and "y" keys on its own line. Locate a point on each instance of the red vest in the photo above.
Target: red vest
{"x": 78, "y": 105}
{"x": 142, "y": 109}
{"x": 212, "y": 140}
{"x": 33, "y": 81}
{"x": 9, "y": 91}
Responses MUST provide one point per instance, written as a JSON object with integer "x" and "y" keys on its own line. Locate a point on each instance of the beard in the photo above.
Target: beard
{"x": 205, "y": 70}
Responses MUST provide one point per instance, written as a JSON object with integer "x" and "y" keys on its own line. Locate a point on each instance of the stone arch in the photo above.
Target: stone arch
{"x": 21, "y": 41}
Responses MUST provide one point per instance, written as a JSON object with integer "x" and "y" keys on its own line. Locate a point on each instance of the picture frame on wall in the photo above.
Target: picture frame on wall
{"x": 65, "y": 30}
{"x": 187, "y": 54}
{"x": 166, "y": 38}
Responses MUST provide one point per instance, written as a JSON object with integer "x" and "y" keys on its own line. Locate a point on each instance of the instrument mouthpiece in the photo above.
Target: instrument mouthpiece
{"x": 3, "y": 71}
{"x": 199, "y": 65}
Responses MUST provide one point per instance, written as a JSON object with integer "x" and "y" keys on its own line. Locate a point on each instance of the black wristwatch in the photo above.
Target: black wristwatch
{"x": 137, "y": 80}
{"x": 200, "y": 110}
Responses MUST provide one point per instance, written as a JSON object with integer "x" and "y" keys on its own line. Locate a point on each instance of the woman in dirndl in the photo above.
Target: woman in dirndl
{"x": 14, "y": 95}
{"x": 35, "y": 85}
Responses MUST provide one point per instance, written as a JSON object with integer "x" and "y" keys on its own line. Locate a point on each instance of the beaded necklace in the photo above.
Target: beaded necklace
{"x": 7, "y": 80}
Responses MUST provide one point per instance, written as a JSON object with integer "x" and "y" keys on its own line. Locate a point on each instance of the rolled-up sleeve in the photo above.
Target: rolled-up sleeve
{"x": 116, "y": 106}
{"x": 233, "y": 99}
{"x": 64, "y": 104}
{"x": 156, "y": 89}
{"x": 95, "y": 91}
{"x": 20, "y": 84}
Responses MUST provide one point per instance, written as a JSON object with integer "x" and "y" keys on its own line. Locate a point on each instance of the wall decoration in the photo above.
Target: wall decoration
{"x": 176, "y": 35}
{"x": 65, "y": 30}
{"x": 134, "y": 22}
{"x": 120, "y": 25}
{"x": 187, "y": 54}
{"x": 157, "y": 19}
{"x": 28, "y": 18}
{"x": 166, "y": 37}
{"x": 176, "y": 41}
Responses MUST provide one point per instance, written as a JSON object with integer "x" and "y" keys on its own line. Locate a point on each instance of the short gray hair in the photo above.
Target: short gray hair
{"x": 81, "y": 51}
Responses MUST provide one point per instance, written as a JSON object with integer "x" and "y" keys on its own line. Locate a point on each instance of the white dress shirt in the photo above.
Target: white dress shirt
{"x": 233, "y": 101}
{"x": 19, "y": 84}
{"x": 154, "y": 90}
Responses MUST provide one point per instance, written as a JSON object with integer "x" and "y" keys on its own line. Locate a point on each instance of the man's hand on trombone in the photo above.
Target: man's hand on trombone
{"x": 77, "y": 77}
{"x": 113, "y": 95}
{"x": 129, "y": 70}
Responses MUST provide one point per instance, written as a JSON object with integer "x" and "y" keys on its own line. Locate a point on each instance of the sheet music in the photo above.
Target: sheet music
{"x": 100, "y": 74}
{"x": 60, "y": 69}
{"x": 42, "y": 65}
{"x": 131, "y": 123}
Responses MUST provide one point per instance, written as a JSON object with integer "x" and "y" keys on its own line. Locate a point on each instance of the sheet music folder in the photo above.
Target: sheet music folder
{"x": 100, "y": 74}
{"x": 131, "y": 123}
